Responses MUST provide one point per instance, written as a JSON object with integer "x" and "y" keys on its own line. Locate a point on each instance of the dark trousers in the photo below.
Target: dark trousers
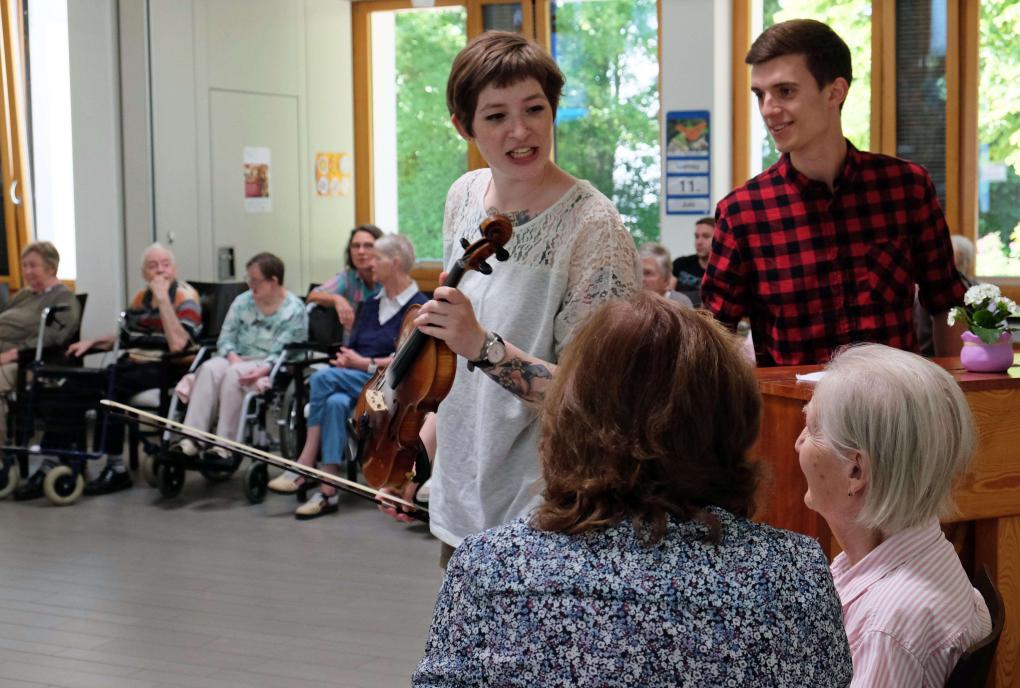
{"x": 129, "y": 378}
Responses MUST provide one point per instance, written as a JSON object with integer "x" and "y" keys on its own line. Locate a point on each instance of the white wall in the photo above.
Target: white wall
{"x": 96, "y": 159}
{"x": 263, "y": 50}
{"x": 696, "y": 75}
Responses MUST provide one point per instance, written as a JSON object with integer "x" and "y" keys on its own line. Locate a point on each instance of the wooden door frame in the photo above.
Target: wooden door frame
{"x": 14, "y": 159}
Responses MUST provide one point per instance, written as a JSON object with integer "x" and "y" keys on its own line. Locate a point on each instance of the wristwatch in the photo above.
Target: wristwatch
{"x": 493, "y": 352}
{"x": 372, "y": 367}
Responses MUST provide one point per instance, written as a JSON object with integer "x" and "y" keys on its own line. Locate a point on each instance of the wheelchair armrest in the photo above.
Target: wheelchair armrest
{"x": 330, "y": 349}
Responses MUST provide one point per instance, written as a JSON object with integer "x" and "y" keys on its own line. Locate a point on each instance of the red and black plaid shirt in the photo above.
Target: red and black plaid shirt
{"x": 814, "y": 269}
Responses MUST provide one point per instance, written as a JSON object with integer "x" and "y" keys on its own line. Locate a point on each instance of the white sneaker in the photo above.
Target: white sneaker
{"x": 187, "y": 447}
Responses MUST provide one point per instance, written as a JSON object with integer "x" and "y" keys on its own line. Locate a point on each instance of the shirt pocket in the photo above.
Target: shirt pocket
{"x": 889, "y": 272}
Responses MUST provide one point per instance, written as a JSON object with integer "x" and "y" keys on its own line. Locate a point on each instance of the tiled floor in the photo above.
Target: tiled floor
{"x": 206, "y": 591}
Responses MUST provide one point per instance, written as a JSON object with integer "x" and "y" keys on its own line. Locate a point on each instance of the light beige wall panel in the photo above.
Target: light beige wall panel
{"x": 175, "y": 147}
{"x": 238, "y": 120}
{"x": 330, "y": 128}
{"x": 254, "y": 45}
{"x": 96, "y": 159}
{"x": 139, "y": 228}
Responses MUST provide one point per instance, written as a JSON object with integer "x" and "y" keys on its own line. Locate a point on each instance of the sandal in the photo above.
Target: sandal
{"x": 286, "y": 483}
{"x": 317, "y": 505}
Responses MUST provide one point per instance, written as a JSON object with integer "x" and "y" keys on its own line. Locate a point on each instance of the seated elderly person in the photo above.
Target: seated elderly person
{"x": 656, "y": 272}
{"x": 642, "y": 567}
{"x": 19, "y": 323}
{"x": 259, "y": 325}
{"x": 963, "y": 256}
{"x": 167, "y": 308}
{"x": 335, "y": 390}
{"x": 349, "y": 289}
{"x": 886, "y": 433}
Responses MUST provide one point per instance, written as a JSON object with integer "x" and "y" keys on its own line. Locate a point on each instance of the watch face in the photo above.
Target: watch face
{"x": 496, "y": 352}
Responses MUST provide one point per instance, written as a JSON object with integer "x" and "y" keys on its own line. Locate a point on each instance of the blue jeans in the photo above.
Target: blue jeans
{"x": 334, "y": 393}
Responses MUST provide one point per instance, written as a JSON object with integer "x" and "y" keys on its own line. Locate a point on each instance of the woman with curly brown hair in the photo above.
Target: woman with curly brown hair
{"x": 641, "y": 568}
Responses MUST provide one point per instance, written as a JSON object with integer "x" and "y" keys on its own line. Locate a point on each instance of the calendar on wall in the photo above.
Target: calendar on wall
{"x": 688, "y": 163}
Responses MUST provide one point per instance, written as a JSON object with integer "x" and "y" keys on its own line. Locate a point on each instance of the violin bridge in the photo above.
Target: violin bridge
{"x": 375, "y": 400}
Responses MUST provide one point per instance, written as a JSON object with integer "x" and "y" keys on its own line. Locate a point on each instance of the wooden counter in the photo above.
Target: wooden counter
{"x": 988, "y": 495}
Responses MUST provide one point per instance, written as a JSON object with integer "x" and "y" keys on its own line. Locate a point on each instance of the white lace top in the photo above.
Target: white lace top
{"x": 563, "y": 262}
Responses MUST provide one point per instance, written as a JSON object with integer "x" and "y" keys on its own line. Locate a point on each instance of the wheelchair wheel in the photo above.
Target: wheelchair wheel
{"x": 148, "y": 470}
{"x": 256, "y": 478}
{"x": 63, "y": 486}
{"x": 171, "y": 478}
{"x": 284, "y": 416}
{"x": 220, "y": 472}
{"x": 9, "y": 478}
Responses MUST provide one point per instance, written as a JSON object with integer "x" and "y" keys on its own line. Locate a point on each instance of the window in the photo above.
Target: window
{"x": 415, "y": 149}
{"x": 998, "y": 230}
{"x": 921, "y": 87}
{"x": 607, "y": 126}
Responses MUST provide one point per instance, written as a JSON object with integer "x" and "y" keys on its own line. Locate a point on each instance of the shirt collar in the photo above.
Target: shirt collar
{"x": 847, "y": 175}
{"x": 852, "y": 581}
{"x": 401, "y": 298}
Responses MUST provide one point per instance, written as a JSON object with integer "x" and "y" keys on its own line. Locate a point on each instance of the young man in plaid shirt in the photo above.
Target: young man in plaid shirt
{"x": 825, "y": 247}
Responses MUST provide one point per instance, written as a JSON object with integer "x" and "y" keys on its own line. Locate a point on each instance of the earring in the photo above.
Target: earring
{"x": 850, "y": 492}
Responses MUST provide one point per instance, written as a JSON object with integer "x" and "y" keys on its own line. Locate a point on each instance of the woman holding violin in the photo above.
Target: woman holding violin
{"x": 569, "y": 252}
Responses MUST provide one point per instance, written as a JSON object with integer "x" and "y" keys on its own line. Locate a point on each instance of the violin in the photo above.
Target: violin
{"x": 393, "y": 404}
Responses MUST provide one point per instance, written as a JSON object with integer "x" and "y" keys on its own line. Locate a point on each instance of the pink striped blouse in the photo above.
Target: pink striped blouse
{"x": 909, "y": 610}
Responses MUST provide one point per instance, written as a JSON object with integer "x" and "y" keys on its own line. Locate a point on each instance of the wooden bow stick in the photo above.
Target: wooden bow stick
{"x": 132, "y": 413}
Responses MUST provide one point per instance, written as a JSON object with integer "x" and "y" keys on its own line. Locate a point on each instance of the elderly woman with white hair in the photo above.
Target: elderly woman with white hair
{"x": 886, "y": 433}
{"x": 335, "y": 390}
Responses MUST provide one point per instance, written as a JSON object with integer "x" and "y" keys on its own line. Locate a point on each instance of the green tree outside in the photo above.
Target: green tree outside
{"x": 430, "y": 153}
{"x": 999, "y": 134}
{"x": 607, "y": 127}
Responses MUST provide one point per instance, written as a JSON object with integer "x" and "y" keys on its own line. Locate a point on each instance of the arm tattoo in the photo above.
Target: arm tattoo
{"x": 518, "y": 377}
{"x": 516, "y": 217}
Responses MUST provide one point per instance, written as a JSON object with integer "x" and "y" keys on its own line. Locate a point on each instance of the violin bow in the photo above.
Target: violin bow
{"x": 146, "y": 418}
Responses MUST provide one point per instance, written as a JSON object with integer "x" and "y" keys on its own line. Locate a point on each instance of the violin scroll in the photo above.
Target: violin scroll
{"x": 496, "y": 232}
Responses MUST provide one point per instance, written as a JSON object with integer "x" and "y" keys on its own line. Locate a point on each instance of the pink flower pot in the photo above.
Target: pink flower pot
{"x": 978, "y": 357}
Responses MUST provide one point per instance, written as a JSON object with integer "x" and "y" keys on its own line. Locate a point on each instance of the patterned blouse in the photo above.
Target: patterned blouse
{"x": 524, "y": 607}
{"x": 349, "y": 285}
{"x": 249, "y": 332}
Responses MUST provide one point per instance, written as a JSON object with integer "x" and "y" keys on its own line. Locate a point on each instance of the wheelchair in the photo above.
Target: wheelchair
{"x": 271, "y": 419}
{"x": 47, "y": 417}
{"x": 215, "y": 299}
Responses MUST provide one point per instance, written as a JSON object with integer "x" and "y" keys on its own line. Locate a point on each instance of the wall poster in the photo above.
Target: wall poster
{"x": 257, "y": 198}
{"x": 333, "y": 174}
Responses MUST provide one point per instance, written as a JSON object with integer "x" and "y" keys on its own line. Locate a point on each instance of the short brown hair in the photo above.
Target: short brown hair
{"x": 707, "y": 220}
{"x": 665, "y": 430}
{"x": 268, "y": 264}
{"x": 826, "y": 54}
{"x": 47, "y": 251}
{"x": 500, "y": 59}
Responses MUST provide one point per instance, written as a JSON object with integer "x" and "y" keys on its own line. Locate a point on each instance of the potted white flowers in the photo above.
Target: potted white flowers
{"x": 987, "y": 344}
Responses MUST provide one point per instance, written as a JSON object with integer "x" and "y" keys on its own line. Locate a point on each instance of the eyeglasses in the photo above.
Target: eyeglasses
{"x": 356, "y": 246}
{"x": 253, "y": 282}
